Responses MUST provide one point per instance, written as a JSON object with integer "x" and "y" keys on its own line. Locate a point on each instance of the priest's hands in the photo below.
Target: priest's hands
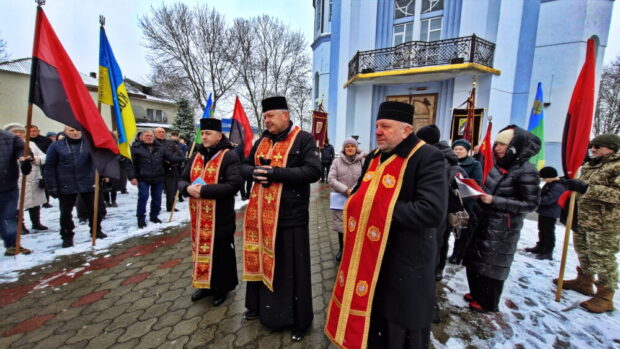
{"x": 262, "y": 174}
{"x": 194, "y": 190}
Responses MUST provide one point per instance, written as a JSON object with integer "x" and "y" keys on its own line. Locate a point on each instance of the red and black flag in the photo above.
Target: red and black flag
{"x": 58, "y": 89}
{"x": 579, "y": 117}
{"x": 240, "y": 129}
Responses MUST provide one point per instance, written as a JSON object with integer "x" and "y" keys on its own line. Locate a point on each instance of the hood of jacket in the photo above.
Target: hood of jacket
{"x": 522, "y": 147}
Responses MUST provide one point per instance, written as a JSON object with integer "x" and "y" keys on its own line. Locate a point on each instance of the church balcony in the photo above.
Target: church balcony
{"x": 422, "y": 61}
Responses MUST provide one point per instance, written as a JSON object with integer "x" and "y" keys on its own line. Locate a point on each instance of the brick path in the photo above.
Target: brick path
{"x": 138, "y": 296}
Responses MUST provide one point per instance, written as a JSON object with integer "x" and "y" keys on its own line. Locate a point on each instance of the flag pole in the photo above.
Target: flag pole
{"x": 569, "y": 225}
{"x": 176, "y": 195}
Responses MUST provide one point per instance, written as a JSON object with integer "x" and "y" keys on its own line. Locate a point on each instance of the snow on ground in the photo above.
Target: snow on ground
{"x": 120, "y": 224}
{"x": 529, "y": 314}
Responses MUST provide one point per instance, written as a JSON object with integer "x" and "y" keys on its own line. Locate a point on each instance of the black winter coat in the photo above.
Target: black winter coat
{"x": 549, "y": 195}
{"x": 171, "y": 168}
{"x": 472, "y": 167}
{"x": 405, "y": 292}
{"x": 11, "y": 148}
{"x": 327, "y": 154}
{"x": 69, "y": 167}
{"x": 42, "y": 142}
{"x": 148, "y": 162}
{"x": 303, "y": 167}
{"x": 229, "y": 182}
{"x": 515, "y": 189}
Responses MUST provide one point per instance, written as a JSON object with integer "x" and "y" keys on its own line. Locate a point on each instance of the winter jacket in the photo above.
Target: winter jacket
{"x": 228, "y": 183}
{"x": 172, "y": 169}
{"x": 148, "y": 162}
{"x": 515, "y": 190}
{"x": 472, "y": 167}
{"x": 11, "y": 148}
{"x": 405, "y": 292}
{"x": 302, "y": 168}
{"x": 34, "y": 195}
{"x": 42, "y": 142}
{"x": 327, "y": 154}
{"x": 343, "y": 175}
{"x": 549, "y": 195}
{"x": 68, "y": 167}
{"x": 599, "y": 207}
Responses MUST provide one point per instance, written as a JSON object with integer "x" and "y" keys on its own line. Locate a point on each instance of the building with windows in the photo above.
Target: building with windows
{"x": 429, "y": 53}
{"x": 150, "y": 111}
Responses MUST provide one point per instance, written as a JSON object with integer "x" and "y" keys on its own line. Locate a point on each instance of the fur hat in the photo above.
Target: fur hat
{"x": 505, "y": 137}
{"x": 548, "y": 172}
{"x": 211, "y": 124}
{"x": 398, "y": 111}
{"x": 608, "y": 140}
{"x": 429, "y": 134}
{"x": 274, "y": 103}
{"x": 14, "y": 126}
{"x": 463, "y": 143}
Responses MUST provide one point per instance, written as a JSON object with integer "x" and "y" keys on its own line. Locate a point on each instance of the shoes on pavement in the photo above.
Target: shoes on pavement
{"x": 200, "y": 294}
{"x": 155, "y": 220}
{"x": 545, "y": 256}
{"x": 250, "y": 315}
{"x": 39, "y": 226}
{"x": 101, "y": 235}
{"x": 114, "y": 204}
{"x": 535, "y": 249}
{"x": 67, "y": 243}
{"x": 219, "y": 299}
{"x": 12, "y": 251}
{"x": 468, "y": 297}
{"x": 141, "y": 224}
{"x": 47, "y": 205}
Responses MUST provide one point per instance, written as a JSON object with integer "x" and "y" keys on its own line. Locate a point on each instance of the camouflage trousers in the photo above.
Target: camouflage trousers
{"x": 597, "y": 251}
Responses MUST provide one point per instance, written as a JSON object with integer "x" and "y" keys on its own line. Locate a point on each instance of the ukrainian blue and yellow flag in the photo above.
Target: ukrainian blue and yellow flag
{"x": 537, "y": 127}
{"x": 112, "y": 92}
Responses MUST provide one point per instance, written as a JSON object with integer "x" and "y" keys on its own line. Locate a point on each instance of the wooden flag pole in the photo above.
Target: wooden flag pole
{"x": 569, "y": 225}
{"x": 176, "y": 195}
{"x": 22, "y": 191}
{"x": 96, "y": 199}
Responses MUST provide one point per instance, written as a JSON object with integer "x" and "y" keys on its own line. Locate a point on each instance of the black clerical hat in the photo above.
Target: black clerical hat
{"x": 274, "y": 103}
{"x": 211, "y": 124}
{"x": 396, "y": 111}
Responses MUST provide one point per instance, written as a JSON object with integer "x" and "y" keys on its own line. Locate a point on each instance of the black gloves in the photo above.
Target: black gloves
{"x": 268, "y": 174}
{"x": 26, "y": 166}
{"x": 53, "y": 192}
{"x": 576, "y": 185}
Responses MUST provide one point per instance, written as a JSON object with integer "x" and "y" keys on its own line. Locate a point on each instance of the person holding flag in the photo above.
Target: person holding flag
{"x": 211, "y": 182}
{"x": 512, "y": 191}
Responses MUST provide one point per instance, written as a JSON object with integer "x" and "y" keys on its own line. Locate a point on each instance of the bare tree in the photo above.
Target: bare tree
{"x": 301, "y": 103}
{"x": 187, "y": 50}
{"x": 269, "y": 59}
{"x": 4, "y": 53}
{"x": 607, "y": 115}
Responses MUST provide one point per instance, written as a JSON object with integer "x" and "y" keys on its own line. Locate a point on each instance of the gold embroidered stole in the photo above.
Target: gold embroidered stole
{"x": 261, "y": 215}
{"x": 367, "y": 218}
{"x": 202, "y": 214}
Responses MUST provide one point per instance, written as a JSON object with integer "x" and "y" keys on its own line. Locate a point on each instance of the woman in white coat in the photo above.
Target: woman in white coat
{"x": 35, "y": 194}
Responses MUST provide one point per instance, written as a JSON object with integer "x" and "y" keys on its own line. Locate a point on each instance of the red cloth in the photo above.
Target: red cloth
{"x": 579, "y": 117}
{"x": 486, "y": 149}
{"x": 240, "y": 130}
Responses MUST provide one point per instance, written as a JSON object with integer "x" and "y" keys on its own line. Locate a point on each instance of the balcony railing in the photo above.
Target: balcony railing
{"x": 414, "y": 54}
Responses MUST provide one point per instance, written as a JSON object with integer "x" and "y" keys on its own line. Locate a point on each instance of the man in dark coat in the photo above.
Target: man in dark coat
{"x": 172, "y": 169}
{"x": 327, "y": 157}
{"x": 283, "y": 162}
{"x": 403, "y": 304}
{"x": 69, "y": 174}
{"x": 218, "y": 167}
{"x": 512, "y": 191}
{"x": 147, "y": 172}
{"x": 12, "y": 160}
{"x": 41, "y": 141}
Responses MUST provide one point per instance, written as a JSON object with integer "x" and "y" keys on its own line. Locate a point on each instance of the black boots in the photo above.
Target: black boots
{"x": 200, "y": 294}
{"x": 339, "y": 255}
{"x": 35, "y": 218}
{"x": 141, "y": 223}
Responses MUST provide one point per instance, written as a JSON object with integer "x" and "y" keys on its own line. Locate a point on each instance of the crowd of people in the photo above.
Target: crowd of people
{"x": 390, "y": 209}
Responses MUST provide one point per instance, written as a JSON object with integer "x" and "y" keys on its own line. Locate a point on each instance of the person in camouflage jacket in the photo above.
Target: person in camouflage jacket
{"x": 597, "y": 239}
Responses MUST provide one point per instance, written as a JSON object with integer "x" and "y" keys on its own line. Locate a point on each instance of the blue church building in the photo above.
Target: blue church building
{"x": 430, "y": 53}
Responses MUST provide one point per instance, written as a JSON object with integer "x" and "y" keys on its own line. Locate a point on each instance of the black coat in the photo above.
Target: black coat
{"x": 42, "y": 142}
{"x": 405, "y": 292}
{"x": 171, "y": 168}
{"x": 515, "y": 189}
{"x": 472, "y": 167}
{"x": 303, "y": 167}
{"x": 11, "y": 148}
{"x": 69, "y": 167}
{"x": 549, "y": 195}
{"x": 148, "y": 162}
{"x": 327, "y": 154}
{"x": 229, "y": 182}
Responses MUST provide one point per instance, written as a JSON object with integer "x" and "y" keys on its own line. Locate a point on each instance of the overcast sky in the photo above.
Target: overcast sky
{"x": 76, "y": 23}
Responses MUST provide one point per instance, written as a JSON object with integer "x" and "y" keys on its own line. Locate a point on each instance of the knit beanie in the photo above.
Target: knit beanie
{"x": 505, "y": 137}
{"x": 548, "y": 172}
{"x": 349, "y": 140}
{"x": 429, "y": 134}
{"x": 14, "y": 126}
{"x": 608, "y": 140}
{"x": 463, "y": 143}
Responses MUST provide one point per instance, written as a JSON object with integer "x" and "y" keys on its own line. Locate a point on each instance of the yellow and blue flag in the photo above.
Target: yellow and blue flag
{"x": 537, "y": 127}
{"x": 112, "y": 92}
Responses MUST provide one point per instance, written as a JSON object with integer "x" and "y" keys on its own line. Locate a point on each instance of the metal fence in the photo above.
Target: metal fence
{"x": 469, "y": 49}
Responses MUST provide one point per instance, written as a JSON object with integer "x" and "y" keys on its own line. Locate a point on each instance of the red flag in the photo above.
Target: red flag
{"x": 468, "y": 132}
{"x": 486, "y": 149}
{"x": 319, "y": 126}
{"x": 240, "y": 129}
{"x": 468, "y": 186}
{"x": 579, "y": 117}
{"x": 58, "y": 89}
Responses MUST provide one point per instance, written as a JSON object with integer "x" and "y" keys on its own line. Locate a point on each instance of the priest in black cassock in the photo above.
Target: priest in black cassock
{"x": 211, "y": 180}
{"x": 276, "y": 250}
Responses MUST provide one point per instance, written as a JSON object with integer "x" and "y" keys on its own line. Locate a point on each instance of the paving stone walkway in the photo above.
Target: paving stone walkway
{"x": 137, "y": 295}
